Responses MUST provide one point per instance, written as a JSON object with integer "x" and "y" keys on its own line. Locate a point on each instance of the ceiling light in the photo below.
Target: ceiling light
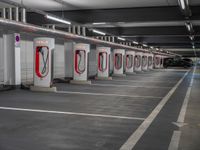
{"x": 189, "y": 26}
{"x": 98, "y": 23}
{"x": 98, "y": 32}
{"x": 182, "y": 4}
{"x": 57, "y": 19}
{"x": 122, "y": 39}
{"x": 152, "y": 47}
{"x": 145, "y": 45}
{"x": 193, "y": 46}
{"x": 157, "y": 49}
{"x": 191, "y": 37}
{"x": 134, "y": 42}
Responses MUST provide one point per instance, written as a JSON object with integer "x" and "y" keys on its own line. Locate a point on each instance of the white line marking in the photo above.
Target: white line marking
{"x": 174, "y": 144}
{"x": 131, "y": 86}
{"x": 175, "y": 140}
{"x": 181, "y": 117}
{"x": 70, "y": 113}
{"x": 143, "y": 81}
{"x": 104, "y": 94}
{"x": 135, "y": 137}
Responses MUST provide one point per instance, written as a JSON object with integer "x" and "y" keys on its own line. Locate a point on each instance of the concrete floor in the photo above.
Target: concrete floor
{"x": 191, "y": 131}
{"x": 101, "y": 116}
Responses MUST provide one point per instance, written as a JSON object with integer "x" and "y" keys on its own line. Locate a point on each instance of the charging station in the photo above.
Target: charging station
{"x": 138, "y": 61}
{"x": 157, "y": 61}
{"x": 150, "y": 61}
{"x": 103, "y": 63}
{"x": 130, "y": 56}
{"x": 145, "y": 61}
{"x": 43, "y": 64}
{"x": 119, "y": 62}
{"x": 80, "y": 73}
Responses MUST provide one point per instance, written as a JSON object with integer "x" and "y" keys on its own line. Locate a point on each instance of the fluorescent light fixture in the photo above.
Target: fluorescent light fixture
{"x": 57, "y": 19}
{"x": 122, "y": 39}
{"x": 191, "y": 37}
{"x": 189, "y": 26}
{"x": 98, "y": 32}
{"x": 134, "y": 42}
{"x": 98, "y": 23}
{"x": 145, "y": 45}
{"x": 182, "y": 4}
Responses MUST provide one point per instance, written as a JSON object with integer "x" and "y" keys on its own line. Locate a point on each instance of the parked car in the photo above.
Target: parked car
{"x": 178, "y": 62}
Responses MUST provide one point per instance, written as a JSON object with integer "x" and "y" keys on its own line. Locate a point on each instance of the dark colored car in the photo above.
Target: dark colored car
{"x": 178, "y": 62}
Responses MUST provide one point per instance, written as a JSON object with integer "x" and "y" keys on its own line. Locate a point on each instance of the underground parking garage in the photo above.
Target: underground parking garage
{"x": 99, "y": 75}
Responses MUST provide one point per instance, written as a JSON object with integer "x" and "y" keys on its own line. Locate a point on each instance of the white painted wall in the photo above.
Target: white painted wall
{"x": 69, "y": 60}
{"x": 59, "y": 70}
{"x": 92, "y": 62}
{"x": 26, "y": 61}
{"x": 1, "y": 59}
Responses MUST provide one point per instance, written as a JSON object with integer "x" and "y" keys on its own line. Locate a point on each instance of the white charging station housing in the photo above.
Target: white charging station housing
{"x": 157, "y": 61}
{"x": 103, "y": 62}
{"x": 138, "y": 61}
{"x": 80, "y": 53}
{"x": 145, "y": 61}
{"x": 150, "y": 61}
{"x": 48, "y": 45}
{"x": 130, "y": 61}
{"x": 119, "y": 61}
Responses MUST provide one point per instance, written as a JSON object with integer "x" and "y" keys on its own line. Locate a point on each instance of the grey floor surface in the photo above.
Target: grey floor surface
{"x": 96, "y": 122}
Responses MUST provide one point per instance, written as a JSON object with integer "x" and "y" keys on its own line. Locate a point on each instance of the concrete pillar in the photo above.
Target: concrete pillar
{"x": 74, "y": 29}
{"x": 10, "y": 13}
{"x": 12, "y": 63}
{"x": 78, "y": 30}
{"x": 3, "y": 15}
{"x": 84, "y": 31}
{"x": 23, "y": 15}
{"x": 16, "y": 14}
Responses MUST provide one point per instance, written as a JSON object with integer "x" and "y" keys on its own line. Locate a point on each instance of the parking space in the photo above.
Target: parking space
{"x": 101, "y": 116}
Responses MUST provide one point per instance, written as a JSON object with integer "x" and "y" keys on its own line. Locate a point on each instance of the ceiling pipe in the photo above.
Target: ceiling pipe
{"x": 25, "y": 27}
{"x": 185, "y": 8}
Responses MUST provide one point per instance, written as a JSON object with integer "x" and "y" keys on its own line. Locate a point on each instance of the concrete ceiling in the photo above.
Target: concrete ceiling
{"x": 50, "y": 5}
{"x": 158, "y": 23}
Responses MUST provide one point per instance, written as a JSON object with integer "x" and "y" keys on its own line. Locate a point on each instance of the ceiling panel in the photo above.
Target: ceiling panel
{"x": 94, "y": 4}
{"x": 194, "y": 2}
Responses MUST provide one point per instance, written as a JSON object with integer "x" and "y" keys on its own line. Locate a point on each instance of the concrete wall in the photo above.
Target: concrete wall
{"x": 1, "y": 59}
{"x": 92, "y": 62}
